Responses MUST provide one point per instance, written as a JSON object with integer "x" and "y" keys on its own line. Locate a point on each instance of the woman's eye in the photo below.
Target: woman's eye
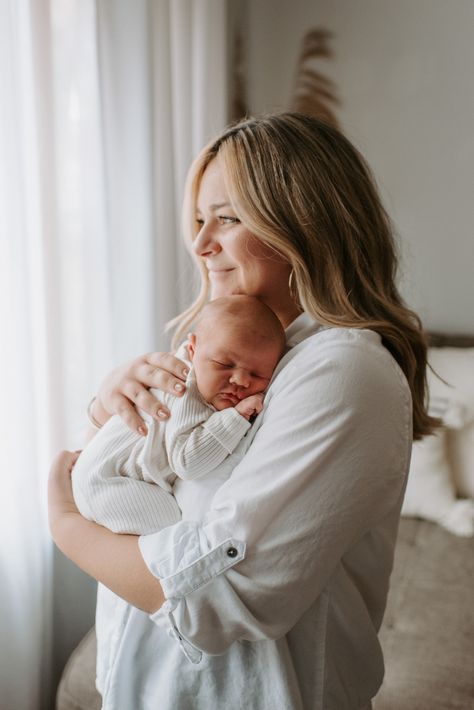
{"x": 224, "y": 219}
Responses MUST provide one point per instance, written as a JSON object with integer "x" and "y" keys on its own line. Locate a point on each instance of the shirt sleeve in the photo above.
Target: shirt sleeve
{"x": 326, "y": 465}
{"x": 198, "y": 440}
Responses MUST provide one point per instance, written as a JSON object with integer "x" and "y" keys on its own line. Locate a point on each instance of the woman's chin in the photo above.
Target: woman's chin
{"x": 219, "y": 291}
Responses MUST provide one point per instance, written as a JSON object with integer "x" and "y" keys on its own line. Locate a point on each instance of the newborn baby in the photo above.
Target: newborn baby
{"x": 124, "y": 481}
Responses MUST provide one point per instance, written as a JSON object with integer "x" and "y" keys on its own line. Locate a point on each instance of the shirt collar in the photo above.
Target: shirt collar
{"x": 302, "y": 327}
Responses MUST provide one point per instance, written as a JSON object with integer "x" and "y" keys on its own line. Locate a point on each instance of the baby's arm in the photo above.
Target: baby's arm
{"x": 196, "y": 442}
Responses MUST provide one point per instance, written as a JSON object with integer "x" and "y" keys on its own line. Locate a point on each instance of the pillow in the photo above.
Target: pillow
{"x": 460, "y": 445}
{"x": 456, "y": 366}
{"x": 442, "y": 465}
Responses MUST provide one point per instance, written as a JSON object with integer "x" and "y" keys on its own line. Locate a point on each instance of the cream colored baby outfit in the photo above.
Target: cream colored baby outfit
{"x": 124, "y": 481}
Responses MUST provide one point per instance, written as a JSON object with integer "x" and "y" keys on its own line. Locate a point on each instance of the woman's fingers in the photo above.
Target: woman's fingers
{"x": 126, "y": 389}
{"x": 142, "y": 398}
{"x": 164, "y": 371}
{"x": 64, "y": 461}
{"x": 160, "y": 379}
{"x": 125, "y": 408}
{"x": 167, "y": 361}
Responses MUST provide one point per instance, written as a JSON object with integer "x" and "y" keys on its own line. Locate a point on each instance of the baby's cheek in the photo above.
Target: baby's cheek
{"x": 257, "y": 388}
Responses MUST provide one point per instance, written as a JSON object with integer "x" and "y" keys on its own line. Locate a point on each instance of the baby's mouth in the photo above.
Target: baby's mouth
{"x": 231, "y": 397}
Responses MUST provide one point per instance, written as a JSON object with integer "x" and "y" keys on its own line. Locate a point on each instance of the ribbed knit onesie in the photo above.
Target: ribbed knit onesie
{"x": 124, "y": 481}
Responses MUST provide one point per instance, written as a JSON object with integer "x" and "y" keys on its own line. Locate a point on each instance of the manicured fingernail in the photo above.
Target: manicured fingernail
{"x": 142, "y": 430}
{"x": 178, "y": 387}
{"x": 162, "y": 414}
{"x": 185, "y": 372}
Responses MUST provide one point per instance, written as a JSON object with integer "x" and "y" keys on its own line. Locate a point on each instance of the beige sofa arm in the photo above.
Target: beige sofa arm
{"x": 77, "y": 689}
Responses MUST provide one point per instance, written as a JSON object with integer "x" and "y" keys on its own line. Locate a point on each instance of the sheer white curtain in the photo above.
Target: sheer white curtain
{"x": 102, "y": 106}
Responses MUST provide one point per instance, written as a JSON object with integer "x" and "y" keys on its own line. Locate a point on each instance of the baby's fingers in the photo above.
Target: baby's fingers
{"x": 258, "y": 405}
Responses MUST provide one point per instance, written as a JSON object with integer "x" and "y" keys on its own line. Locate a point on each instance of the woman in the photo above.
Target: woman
{"x": 273, "y": 597}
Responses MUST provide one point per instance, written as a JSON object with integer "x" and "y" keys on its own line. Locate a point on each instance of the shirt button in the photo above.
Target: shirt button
{"x": 232, "y": 552}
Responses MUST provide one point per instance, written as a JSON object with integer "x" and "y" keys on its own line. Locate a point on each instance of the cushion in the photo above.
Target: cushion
{"x": 442, "y": 465}
{"x": 456, "y": 368}
{"x": 460, "y": 448}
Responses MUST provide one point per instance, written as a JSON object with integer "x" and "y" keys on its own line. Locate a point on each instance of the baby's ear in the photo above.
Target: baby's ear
{"x": 191, "y": 346}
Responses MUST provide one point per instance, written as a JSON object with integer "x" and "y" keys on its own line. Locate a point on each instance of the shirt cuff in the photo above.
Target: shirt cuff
{"x": 180, "y": 557}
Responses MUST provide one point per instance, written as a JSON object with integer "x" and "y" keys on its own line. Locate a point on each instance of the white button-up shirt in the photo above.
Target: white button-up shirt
{"x": 276, "y": 578}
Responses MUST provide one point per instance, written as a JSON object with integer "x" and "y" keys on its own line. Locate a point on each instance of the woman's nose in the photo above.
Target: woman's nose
{"x": 205, "y": 244}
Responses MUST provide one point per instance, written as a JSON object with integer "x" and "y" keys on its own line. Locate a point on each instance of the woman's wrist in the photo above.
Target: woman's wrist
{"x": 96, "y": 413}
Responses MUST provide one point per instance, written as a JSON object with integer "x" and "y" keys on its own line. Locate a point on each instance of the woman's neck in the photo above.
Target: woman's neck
{"x": 287, "y": 315}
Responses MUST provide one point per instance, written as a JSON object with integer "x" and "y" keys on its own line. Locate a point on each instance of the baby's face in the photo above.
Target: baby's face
{"x": 229, "y": 368}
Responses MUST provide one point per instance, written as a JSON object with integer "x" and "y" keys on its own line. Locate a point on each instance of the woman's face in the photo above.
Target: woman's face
{"x": 238, "y": 262}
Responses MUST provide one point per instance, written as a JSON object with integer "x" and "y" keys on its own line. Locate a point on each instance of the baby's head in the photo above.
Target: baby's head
{"x": 236, "y": 345}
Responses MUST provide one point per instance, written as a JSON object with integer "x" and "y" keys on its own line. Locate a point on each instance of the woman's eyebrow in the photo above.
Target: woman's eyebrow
{"x": 215, "y": 206}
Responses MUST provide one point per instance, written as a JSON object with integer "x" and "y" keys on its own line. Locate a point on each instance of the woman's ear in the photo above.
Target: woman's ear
{"x": 191, "y": 346}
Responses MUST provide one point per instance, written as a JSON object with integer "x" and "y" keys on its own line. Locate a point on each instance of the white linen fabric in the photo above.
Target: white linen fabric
{"x": 277, "y": 588}
{"x": 124, "y": 481}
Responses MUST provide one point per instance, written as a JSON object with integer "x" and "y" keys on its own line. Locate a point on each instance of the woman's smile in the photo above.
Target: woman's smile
{"x": 252, "y": 267}
{"x": 219, "y": 272}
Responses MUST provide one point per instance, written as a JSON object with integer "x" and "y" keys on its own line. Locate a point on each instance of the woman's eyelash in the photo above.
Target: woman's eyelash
{"x": 223, "y": 219}
{"x": 227, "y": 220}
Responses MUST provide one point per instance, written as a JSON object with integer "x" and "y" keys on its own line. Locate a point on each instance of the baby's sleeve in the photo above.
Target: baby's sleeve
{"x": 198, "y": 440}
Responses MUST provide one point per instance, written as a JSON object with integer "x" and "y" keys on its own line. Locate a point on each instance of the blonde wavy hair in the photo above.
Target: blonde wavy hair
{"x": 302, "y": 188}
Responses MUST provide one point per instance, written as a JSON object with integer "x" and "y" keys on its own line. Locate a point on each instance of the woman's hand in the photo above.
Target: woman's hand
{"x": 60, "y": 498}
{"x": 127, "y": 387}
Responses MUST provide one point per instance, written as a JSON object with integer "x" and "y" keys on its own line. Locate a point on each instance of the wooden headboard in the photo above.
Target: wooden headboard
{"x": 440, "y": 340}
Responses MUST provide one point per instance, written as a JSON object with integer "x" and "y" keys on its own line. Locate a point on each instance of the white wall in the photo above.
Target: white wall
{"x": 404, "y": 70}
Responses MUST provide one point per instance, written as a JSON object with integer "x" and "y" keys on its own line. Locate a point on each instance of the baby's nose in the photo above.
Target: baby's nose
{"x": 240, "y": 378}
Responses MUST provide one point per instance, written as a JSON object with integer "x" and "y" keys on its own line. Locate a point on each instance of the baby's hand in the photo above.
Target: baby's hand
{"x": 250, "y": 406}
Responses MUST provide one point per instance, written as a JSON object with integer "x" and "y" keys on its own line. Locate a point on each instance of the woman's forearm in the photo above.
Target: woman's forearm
{"x": 113, "y": 559}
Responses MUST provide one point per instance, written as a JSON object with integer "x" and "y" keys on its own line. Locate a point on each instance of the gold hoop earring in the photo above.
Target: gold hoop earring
{"x": 291, "y": 287}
